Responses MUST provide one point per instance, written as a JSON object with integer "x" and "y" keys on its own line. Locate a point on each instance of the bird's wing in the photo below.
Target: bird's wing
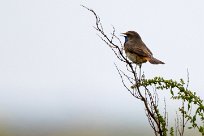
{"x": 138, "y": 48}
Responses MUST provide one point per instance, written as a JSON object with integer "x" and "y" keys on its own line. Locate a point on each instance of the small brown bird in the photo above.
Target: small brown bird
{"x": 137, "y": 51}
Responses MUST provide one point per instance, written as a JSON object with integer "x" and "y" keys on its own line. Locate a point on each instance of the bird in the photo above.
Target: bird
{"x": 137, "y": 51}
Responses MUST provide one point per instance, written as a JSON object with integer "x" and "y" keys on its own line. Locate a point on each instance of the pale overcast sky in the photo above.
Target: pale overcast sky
{"x": 54, "y": 67}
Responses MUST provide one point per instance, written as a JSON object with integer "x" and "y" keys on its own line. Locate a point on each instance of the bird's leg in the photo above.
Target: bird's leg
{"x": 140, "y": 66}
{"x": 134, "y": 86}
{"x": 138, "y": 74}
{"x": 136, "y": 69}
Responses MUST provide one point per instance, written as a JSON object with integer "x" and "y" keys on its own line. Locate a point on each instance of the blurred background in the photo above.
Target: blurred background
{"x": 58, "y": 78}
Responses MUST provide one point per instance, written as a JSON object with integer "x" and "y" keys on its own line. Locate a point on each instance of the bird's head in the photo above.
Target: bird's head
{"x": 131, "y": 35}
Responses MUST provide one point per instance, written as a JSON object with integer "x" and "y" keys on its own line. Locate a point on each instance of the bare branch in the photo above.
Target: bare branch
{"x": 142, "y": 93}
{"x": 123, "y": 80}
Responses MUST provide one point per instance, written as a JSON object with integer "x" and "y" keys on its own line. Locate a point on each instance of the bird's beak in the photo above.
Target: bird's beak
{"x": 123, "y": 34}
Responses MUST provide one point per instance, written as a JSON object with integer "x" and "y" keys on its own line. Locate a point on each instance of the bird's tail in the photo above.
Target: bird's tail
{"x": 155, "y": 61}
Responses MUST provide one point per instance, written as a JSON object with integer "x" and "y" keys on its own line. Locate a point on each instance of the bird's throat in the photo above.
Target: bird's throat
{"x": 126, "y": 39}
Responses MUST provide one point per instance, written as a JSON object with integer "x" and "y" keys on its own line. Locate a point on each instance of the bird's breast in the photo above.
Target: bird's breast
{"x": 135, "y": 58}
